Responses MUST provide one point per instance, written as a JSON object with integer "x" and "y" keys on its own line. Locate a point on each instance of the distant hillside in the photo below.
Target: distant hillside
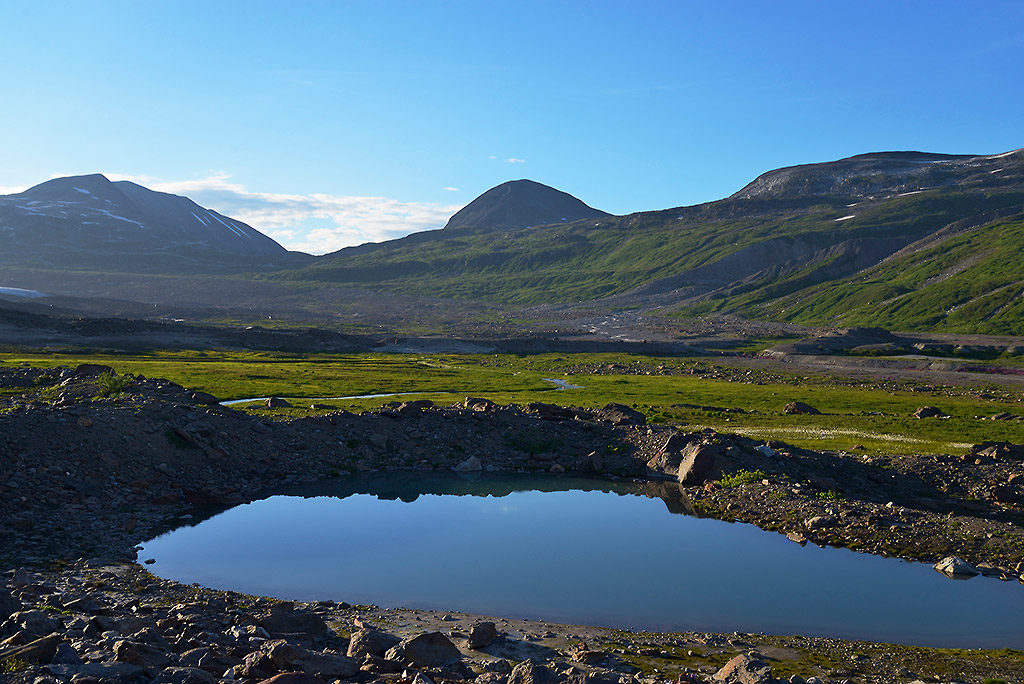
{"x": 789, "y": 246}
{"x": 522, "y": 204}
{"x": 90, "y": 222}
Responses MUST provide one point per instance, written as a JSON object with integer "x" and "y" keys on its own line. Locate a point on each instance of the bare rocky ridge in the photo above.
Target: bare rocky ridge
{"x": 90, "y": 476}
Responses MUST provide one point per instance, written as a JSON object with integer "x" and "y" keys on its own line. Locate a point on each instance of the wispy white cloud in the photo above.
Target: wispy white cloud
{"x": 315, "y": 223}
{"x": 515, "y": 160}
{"x": 451, "y": 189}
{"x": 12, "y": 189}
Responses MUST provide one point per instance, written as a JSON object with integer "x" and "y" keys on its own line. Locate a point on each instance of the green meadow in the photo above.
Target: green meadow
{"x": 689, "y": 393}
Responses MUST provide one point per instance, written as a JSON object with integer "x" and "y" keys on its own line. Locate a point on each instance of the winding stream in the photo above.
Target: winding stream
{"x": 559, "y": 385}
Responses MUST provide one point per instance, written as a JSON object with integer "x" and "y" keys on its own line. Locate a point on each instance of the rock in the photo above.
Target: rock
{"x": 766, "y": 451}
{"x": 1005, "y": 416}
{"x": 37, "y": 651}
{"x": 431, "y": 649}
{"x": 65, "y": 655}
{"x": 591, "y": 463}
{"x": 478, "y": 404}
{"x": 329, "y": 665}
{"x": 667, "y": 459}
{"x": 527, "y": 672}
{"x": 84, "y": 422}
{"x": 34, "y": 622}
{"x": 111, "y": 671}
{"x": 138, "y": 653}
{"x": 293, "y": 678}
{"x": 184, "y": 675}
{"x": 370, "y": 641}
{"x": 819, "y": 522}
{"x": 796, "y": 537}
{"x": 696, "y": 462}
{"x": 471, "y": 464}
{"x": 284, "y": 619}
{"x": 799, "y": 407}
{"x": 620, "y": 414}
{"x": 412, "y": 407}
{"x": 92, "y": 370}
{"x": 482, "y": 634}
{"x": 1005, "y": 494}
{"x": 956, "y": 568}
{"x": 550, "y": 411}
{"x": 276, "y": 402}
{"x": 378, "y": 665}
{"x": 929, "y": 412}
{"x": 8, "y": 605}
{"x": 204, "y": 399}
{"x": 744, "y": 669}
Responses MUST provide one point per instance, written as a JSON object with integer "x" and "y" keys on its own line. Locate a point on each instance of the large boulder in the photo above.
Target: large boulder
{"x": 744, "y": 669}
{"x": 370, "y": 641}
{"x": 696, "y": 462}
{"x": 666, "y": 461}
{"x": 799, "y": 407}
{"x": 471, "y": 464}
{"x": 430, "y": 649}
{"x": 482, "y": 634}
{"x": 929, "y": 412}
{"x": 957, "y": 568}
{"x": 276, "y": 402}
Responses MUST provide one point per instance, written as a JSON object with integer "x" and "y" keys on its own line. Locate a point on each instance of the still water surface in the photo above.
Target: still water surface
{"x": 571, "y": 550}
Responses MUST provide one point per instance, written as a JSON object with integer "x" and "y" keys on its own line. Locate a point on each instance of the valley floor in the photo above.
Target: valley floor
{"x": 96, "y": 463}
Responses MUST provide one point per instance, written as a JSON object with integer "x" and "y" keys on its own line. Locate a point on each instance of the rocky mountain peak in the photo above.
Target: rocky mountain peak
{"x": 522, "y": 204}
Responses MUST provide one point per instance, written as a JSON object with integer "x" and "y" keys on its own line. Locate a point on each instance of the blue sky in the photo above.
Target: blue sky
{"x": 326, "y": 124}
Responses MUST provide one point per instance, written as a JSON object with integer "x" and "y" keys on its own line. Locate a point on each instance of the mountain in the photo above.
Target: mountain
{"x": 90, "y": 222}
{"x": 868, "y": 239}
{"x": 522, "y": 204}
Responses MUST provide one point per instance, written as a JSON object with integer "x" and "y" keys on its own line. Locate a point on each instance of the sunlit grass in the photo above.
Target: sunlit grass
{"x": 877, "y": 416}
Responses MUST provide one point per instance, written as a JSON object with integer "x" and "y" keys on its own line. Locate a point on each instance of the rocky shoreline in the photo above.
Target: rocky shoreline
{"x": 95, "y": 464}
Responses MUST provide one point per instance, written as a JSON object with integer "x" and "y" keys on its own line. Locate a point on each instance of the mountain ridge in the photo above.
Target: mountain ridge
{"x": 89, "y": 221}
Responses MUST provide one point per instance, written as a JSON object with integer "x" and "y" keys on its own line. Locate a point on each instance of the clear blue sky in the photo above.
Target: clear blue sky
{"x": 331, "y": 123}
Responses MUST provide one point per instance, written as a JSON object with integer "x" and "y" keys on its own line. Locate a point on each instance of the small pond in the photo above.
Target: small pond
{"x": 565, "y": 549}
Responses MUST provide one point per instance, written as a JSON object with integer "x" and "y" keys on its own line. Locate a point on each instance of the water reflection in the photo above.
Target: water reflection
{"x": 573, "y": 550}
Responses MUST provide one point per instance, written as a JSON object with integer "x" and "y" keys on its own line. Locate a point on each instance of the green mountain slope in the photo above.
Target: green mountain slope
{"x": 971, "y": 281}
{"x": 819, "y": 243}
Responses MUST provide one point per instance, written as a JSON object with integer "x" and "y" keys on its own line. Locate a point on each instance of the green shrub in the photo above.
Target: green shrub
{"x": 742, "y": 477}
